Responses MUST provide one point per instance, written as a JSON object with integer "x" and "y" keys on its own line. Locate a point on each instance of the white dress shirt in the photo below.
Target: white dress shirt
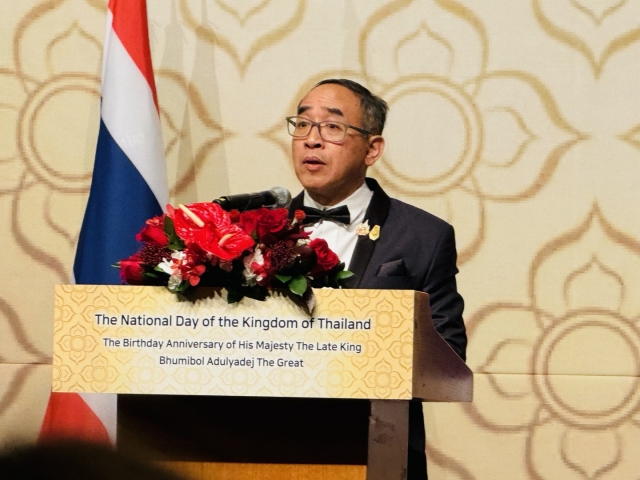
{"x": 340, "y": 237}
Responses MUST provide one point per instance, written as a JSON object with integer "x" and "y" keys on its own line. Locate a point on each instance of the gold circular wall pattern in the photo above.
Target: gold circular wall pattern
{"x": 436, "y": 173}
{"x": 613, "y": 408}
{"x": 54, "y": 167}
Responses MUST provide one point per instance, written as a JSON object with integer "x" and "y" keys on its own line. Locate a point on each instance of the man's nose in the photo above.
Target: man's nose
{"x": 314, "y": 139}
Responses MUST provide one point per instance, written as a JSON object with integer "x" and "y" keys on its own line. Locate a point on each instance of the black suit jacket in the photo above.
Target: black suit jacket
{"x": 415, "y": 251}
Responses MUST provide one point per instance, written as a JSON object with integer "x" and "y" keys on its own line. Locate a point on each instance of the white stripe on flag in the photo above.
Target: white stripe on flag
{"x": 137, "y": 130}
{"x": 105, "y": 406}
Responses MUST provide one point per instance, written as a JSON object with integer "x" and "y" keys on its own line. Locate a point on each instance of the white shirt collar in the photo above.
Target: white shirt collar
{"x": 357, "y": 202}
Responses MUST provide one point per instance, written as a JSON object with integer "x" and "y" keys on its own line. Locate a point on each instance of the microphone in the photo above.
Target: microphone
{"x": 277, "y": 197}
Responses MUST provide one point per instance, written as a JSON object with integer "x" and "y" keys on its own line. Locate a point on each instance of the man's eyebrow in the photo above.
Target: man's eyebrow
{"x": 333, "y": 110}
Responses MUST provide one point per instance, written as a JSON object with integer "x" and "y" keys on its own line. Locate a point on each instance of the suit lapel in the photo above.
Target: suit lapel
{"x": 376, "y": 214}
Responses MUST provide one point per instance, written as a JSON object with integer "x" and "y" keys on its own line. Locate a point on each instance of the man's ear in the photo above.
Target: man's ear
{"x": 376, "y": 147}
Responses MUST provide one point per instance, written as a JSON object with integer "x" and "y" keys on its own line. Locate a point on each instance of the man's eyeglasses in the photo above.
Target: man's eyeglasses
{"x": 330, "y": 131}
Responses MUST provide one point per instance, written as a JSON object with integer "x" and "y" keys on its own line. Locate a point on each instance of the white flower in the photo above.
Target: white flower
{"x": 363, "y": 228}
{"x": 174, "y": 282}
{"x": 166, "y": 266}
{"x": 172, "y": 267}
{"x": 250, "y": 276}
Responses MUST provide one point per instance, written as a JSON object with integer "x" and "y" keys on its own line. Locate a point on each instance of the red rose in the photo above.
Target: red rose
{"x": 271, "y": 221}
{"x": 131, "y": 271}
{"x": 326, "y": 258}
{"x": 248, "y": 221}
{"x": 151, "y": 233}
{"x": 217, "y": 235}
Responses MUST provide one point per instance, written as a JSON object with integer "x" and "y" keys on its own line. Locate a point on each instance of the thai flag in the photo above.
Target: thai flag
{"x": 129, "y": 186}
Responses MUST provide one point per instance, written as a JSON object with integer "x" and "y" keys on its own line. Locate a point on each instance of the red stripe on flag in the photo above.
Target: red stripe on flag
{"x": 130, "y": 25}
{"x": 69, "y": 416}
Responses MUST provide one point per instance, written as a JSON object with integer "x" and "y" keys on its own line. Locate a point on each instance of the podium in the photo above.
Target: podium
{"x": 326, "y": 400}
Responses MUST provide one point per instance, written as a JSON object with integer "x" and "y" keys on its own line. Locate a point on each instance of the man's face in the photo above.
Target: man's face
{"x": 330, "y": 172}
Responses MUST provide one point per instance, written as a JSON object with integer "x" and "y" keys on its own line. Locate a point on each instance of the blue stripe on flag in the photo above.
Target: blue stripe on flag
{"x": 120, "y": 201}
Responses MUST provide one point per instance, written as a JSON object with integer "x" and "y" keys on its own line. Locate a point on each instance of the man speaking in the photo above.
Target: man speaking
{"x": 387, "y": 244}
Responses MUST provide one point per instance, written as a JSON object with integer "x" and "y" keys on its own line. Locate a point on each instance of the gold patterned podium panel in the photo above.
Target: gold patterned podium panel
{"x": 131, "y": 339}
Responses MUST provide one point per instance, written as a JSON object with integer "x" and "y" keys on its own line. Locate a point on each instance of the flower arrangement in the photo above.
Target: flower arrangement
{"x": 248, "y": 253}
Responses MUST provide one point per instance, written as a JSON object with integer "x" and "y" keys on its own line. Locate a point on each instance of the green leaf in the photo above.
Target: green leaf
{"x": 169, "y": 229}
{"x": 234, "y": 295}
{"x": 298, "y": 285}
{"x": 175, "y": 242}
{"x": 344, "y": 274}
{"x": 182, "y": 286}
{"x": 284, "y": 278}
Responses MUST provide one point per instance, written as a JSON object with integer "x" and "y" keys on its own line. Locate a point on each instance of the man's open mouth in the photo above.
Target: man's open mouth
{"x": 312, "y": 161}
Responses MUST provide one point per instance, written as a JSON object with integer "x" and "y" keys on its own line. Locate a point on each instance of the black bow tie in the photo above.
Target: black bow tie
{"x": 338, "y": 214}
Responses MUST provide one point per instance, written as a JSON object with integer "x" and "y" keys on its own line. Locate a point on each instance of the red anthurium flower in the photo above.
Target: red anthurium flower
{"x": 217, "y": 235}
{"x": 211, "y": 214}
{"x": 227, "y": 242}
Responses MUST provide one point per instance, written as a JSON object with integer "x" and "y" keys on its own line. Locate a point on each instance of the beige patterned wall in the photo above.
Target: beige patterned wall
{"x": 517, "y": 121}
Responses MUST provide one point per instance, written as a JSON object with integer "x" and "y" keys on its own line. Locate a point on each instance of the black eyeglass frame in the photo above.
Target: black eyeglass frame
{"x": 361, "y": 131}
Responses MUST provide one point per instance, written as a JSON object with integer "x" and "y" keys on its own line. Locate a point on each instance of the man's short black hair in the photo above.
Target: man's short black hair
{"x": 374, "y": 109}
